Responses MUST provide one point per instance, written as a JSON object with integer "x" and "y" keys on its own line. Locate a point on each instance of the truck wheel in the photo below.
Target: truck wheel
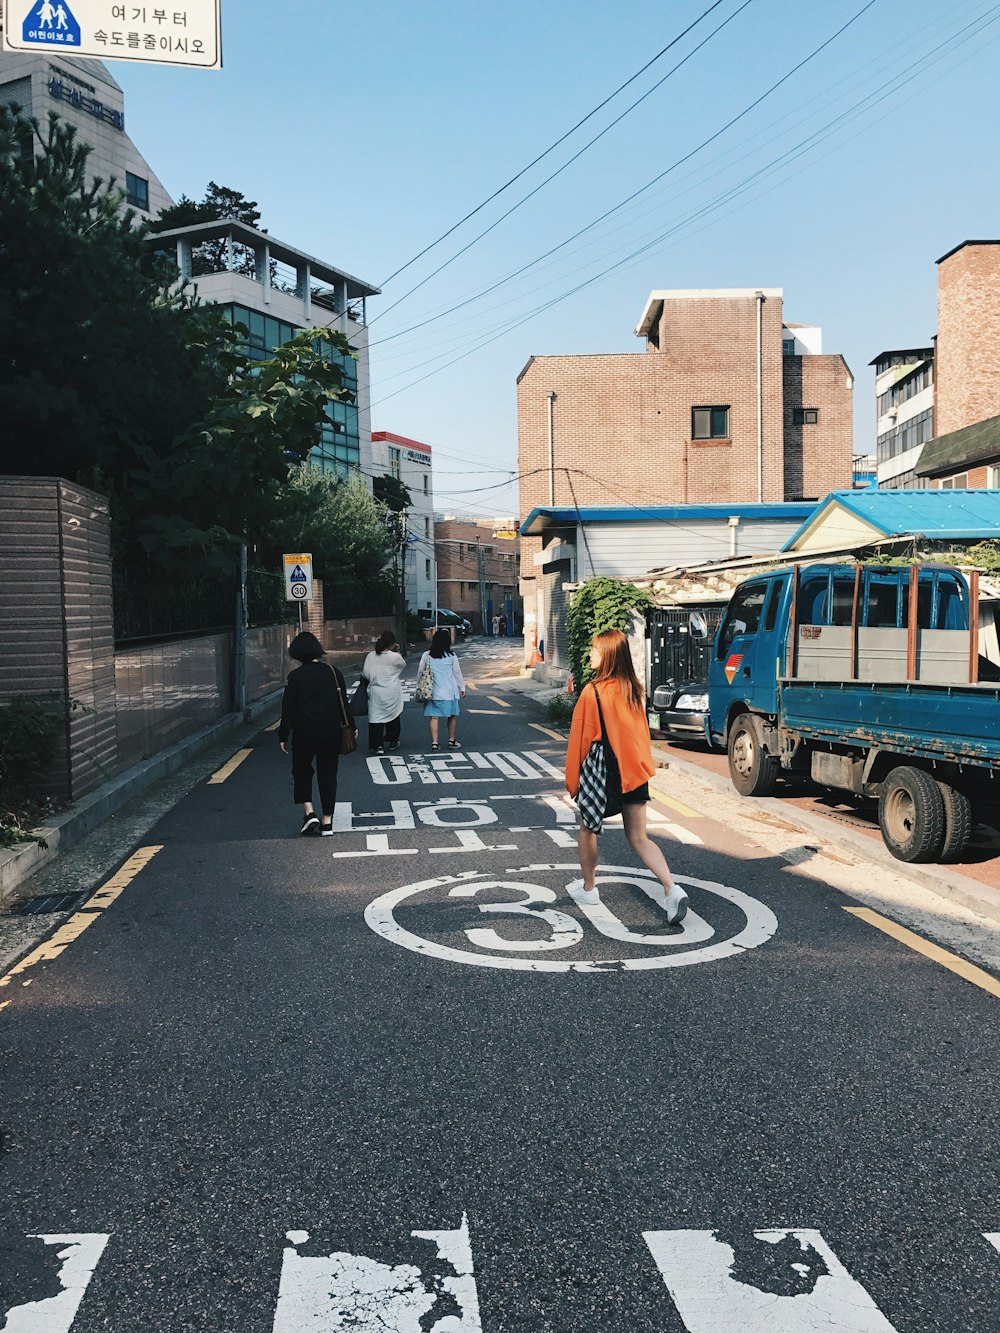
{"x": 959, "y": 821}
{"x": 754, "y": 772}
{"x": 911, "y": 815}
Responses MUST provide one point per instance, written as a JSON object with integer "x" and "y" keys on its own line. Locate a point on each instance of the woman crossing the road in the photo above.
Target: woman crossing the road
{"x": 382, "y": 669}
{"x": 448, "y": 688}
{"x": 612, "y": 707}
{"x": 313, "y": 710}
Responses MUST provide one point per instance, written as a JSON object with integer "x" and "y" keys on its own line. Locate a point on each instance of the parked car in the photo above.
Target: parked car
{"x": 679, "y": 710}
{"x": 444, "y": 619}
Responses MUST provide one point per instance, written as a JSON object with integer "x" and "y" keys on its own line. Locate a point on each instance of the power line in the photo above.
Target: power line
{"x": 655, "y": 180}
{"x": 569, "y": 162}
{"x": 725, "y": 197}
{"x": 562, "y": 139}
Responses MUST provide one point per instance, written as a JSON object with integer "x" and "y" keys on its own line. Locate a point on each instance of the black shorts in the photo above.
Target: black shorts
{"x": 638, "y": 795}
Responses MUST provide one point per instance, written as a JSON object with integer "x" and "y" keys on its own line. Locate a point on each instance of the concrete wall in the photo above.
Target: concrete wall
{"x": 818, "y": 457}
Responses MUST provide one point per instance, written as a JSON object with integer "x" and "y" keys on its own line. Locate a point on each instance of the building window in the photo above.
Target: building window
{"x": 805, "y": 416}
{"x": 427, "y": 527}
{"x": 957, "y": 483}
{"x": 427, "y": 485}
{"x": 137, "y": 191}
{"x": 788, "y": 347}
{"x": 993, "y": 476}
{"x": 394, "y": 463}
{"x": 710, "y": 423}
{"x": 427, "y": 569}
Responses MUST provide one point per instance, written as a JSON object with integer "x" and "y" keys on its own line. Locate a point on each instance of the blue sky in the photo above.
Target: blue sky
{"x": 365, "y": 130}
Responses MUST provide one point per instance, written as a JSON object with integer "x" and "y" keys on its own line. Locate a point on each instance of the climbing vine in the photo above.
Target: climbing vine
{"x": 599, "y": 605}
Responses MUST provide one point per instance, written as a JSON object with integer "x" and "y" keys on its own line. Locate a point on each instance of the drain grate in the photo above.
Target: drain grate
{"x": 47, "y": 903}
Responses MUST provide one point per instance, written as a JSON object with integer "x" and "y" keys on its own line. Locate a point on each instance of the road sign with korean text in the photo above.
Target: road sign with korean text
{"x": 173, "y": 32}
{"x": 298, "y": 578}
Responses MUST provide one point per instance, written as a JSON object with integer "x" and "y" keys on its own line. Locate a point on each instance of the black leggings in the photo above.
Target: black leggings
{"x": 384, "y": 731}
{"x": 309, "y": 745}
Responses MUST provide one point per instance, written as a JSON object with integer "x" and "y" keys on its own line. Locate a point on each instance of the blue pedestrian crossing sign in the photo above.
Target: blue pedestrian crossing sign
{"x": 49, "y": 23}
{"x": 298, "y": 577}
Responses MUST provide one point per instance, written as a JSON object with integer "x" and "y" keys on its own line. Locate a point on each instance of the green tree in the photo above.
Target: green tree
{"x": 342, "y": 525}
{"x": 599, "y": 605}
{"x": 220, "y": 202}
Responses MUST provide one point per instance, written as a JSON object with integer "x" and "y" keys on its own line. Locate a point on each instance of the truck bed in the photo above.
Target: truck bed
{"x": 945, "y": 722}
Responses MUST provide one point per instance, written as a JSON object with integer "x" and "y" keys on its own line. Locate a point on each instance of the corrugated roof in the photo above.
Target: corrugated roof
{"x": 542, "y": 518}
{"x": 968, "y": 515}
{"x": 978, "y": 443}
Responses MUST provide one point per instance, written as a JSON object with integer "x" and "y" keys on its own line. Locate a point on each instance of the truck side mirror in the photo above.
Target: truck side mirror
{"x": 698, "y": 626}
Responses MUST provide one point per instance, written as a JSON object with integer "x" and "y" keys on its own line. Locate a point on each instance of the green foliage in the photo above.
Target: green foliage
{"x": 392, "y": 493}
{"x": 29, "y": 734}
{"x": 112, "y": 377}
{"x": 599, "y": 605}
{"x": 344, "y": 528}
{"x": 219, "y": 203}
{"x": 416, "y": 629}
{"x": 559, "y": 710}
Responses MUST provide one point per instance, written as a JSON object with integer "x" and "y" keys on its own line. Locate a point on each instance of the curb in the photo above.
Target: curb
{"x": 947, "y": 883}
{"x": 19, "y": 863}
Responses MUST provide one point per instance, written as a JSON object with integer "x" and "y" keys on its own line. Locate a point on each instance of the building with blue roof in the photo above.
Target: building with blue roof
{"x": 848, "y": 520}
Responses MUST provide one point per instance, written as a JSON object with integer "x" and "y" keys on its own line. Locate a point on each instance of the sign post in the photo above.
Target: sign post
{"x": 298, "y": 580}
{"x": 188, "y": 32}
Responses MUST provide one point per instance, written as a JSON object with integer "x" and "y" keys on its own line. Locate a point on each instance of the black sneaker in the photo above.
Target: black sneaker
{"x": 310, "y": 824}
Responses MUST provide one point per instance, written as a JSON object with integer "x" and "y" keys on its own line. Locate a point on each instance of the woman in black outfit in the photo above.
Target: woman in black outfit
{"x": 312, "y": 712}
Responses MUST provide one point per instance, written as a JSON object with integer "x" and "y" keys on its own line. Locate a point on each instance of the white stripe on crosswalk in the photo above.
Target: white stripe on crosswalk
{"x": 341, "y": 1291}
{"x": 78, "y": 1256}
{"x": 779, "y": 1281}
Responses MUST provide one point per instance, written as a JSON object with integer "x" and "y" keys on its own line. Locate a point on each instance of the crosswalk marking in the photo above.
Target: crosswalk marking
{"x": 342, "y": 1291}
{"x": 781, "y": 1281}
{"x": 77, "y": 1257}
{"x": 774, "y": 1280}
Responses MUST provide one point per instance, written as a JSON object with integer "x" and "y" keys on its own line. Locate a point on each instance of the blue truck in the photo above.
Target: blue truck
{"x": 866, "y": 678}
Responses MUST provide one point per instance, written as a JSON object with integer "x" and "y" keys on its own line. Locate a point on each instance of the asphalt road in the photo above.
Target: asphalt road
{"x": 398, "y": 1079}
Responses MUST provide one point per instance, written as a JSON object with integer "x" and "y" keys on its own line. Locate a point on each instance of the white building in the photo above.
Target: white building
{"x": 411, "y": 463}
{"x": 84, "y": 94}
{"x": 904, "y": 410}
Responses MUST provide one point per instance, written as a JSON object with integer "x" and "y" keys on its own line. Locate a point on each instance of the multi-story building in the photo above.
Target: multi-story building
{"x": 727, "y": 404}
{"x": 478, "y": 566}
{"x": 83, "y": 93}
{"x": 965, "y": 450}
{"x": 275, "y": 291}
{"x": 411, "y": 463}
{"x": 904, "y": 414}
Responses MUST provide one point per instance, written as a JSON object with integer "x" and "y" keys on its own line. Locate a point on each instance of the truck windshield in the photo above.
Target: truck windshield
{"x": 743, "y": 615}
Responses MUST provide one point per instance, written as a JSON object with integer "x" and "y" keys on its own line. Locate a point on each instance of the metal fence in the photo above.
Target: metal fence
{"x": 148, "y": 608}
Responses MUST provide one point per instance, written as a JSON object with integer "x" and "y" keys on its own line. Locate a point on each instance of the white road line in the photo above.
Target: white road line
{"x": 777, "y": 1281}
{"x": 79, "y": 1255}
{"x": 335, "y": 1292}
{"x": 378, "y": 845}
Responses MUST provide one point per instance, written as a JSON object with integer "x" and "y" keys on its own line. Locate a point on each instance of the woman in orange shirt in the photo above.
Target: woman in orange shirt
{"x": 621, "y": 700}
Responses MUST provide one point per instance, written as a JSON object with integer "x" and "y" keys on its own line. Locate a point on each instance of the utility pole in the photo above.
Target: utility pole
{"x": 481, "y": 560}
{"x": 401, "y": 584}
{"x": 240, "y": 638}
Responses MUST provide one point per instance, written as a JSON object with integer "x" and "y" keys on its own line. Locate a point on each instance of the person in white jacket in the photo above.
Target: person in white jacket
{"x": 382, "y": 669}
{"x": 449, "y": 687}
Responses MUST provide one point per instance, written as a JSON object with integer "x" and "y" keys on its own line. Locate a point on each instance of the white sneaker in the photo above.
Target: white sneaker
{"x": 677, "y": 906}
{"x": 588, "y": 897}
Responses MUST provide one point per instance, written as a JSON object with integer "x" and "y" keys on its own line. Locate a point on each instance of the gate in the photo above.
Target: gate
{"x": 675, "y": 657}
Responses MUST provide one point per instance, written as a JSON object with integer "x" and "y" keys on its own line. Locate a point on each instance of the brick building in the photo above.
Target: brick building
{"x": 478, "y": 567}
{"x": 726, "y": 404}
{"x": 965, "y": 450}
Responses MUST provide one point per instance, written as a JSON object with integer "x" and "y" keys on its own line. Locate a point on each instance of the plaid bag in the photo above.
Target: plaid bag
{"x": 600, "y": 792}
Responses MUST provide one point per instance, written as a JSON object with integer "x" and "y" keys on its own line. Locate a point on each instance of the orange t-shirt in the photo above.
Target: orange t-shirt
{"x": 627, "y": 730}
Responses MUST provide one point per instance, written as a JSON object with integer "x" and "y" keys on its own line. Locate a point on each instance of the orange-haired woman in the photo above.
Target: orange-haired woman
{"x": 616, "y": 693}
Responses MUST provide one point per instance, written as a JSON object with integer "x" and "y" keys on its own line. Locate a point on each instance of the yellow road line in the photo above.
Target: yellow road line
{"x": 74, "y": 927}
{"x": 967, "y": 971}
{"x": 274, "y": 725}
{"x": 229, "y": 768}
{"x": 679, "y": 806}
{"x": 547, "y": 731}
{"x": 502, "y": 702}
{"x": 471, "y": 685}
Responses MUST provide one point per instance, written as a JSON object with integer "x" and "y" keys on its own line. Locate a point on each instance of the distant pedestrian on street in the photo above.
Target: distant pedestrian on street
{"x": 616, "y": 695}
{"x": 382, "y": 670}
{"x": 503, "y": 627}
{"x": 313, "y": 710}
{"x": 496, "y": 625}
{"x": 449, "y": 687}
